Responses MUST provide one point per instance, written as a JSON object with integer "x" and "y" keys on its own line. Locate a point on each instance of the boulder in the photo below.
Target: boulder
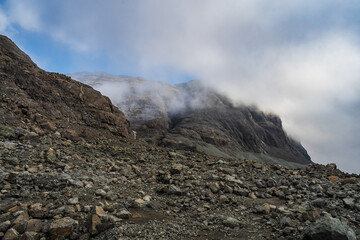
{"x": 61, "y": 228}
{"x": 329, "y": 229}
{"x": 231, "y": 222}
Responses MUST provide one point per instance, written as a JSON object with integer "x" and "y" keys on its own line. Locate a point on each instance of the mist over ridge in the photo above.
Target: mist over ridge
{"x": 163, "y": 98}
{"x": 193, "y": 116}
{"x": 123, "y": 90}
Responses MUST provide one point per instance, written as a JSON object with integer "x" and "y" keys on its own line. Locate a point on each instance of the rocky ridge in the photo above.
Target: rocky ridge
{"x": 49, "y": 101}
{"x": 191, "y": 116}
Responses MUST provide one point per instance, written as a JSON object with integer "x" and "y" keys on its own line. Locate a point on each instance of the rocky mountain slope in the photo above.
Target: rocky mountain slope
{"x": 37, "y": 101}
{"x": 81, "y": 190}
{"x": 62, "y": 184}
{"x": 191, "y": 116}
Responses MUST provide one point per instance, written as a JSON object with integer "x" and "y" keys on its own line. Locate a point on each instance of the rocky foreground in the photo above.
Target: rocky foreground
{"x": 55, "y": 188}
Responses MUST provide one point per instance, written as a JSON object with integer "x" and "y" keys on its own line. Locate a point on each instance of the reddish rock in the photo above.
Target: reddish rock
{"x": 333, "y": 179}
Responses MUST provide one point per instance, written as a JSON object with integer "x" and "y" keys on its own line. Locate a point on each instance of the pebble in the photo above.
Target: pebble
{"x": 100, "y": 192}
{"x": 5, "y": 226}
{"x": 231, "y": 222}
{"x": 73, "y": 201}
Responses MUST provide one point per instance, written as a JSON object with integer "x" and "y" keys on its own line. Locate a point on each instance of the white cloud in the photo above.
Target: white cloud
{"x": 25, "y": 13}
{"x": 3, "y": 21}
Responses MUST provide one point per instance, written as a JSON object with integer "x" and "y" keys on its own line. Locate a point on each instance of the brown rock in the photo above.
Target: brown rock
{"x": 176, "y": 168}
{"x": 333, "y": 179}
{"x": 95, "y": 221}
{"x": 31, "y": 136}
{"x": 231, "y": 222}
{"x": 349, "y": 181}
{"x": 11, "y": 234}
{"x": 136, "y": 215}
{"x": 20, "y": 223}
{"x": 14, "y": 209}
{"x": 252, "y": 195}
{"x": 51, "y": 156}
{"x": 34, "y": 225}
{"x": 223, "y": 199}
{"x": 311, "y": 215}
{"x": 214, "y": 187}
{"x": 100, "y": 211}
{"x": 36, "y": 210}
{"x": 30, "y": 236}
{"x": 61, "y": 228}
{"x": 257, "y": 165}
{"x": 72, "y": 135}
{"x": 331, "y": 166}
{"x": 266, "y": 208}
{"x": 32, "y": 169}
{"x": 69, "y": 209}
{"x": 47, "y": 125}
{"x": 139, "y": 203}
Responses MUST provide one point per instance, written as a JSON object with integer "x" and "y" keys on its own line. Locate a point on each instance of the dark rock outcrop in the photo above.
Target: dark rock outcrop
{"x": 191, "y": 116}
{"x": 52, "y": 101}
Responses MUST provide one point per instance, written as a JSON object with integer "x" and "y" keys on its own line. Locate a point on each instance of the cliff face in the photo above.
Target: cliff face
{"x": 40, "y": 101}
{"x": 191, "y": 116}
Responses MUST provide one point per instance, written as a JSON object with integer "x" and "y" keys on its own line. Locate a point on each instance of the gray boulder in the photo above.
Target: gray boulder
{"x": 329, "y": 229}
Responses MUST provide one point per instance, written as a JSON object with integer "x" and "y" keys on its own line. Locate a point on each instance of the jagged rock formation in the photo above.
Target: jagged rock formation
{"x": 52, "y": 101}
{"x": 193, "y": 117}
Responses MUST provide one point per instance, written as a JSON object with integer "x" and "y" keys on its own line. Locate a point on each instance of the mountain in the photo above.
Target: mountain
{"x": 70, "y": 169}
{"x": 191, "y": 116}
{"x": 37, "y": 101}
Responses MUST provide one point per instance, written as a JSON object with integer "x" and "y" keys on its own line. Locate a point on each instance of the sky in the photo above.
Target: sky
{"x": 299, "y": 59}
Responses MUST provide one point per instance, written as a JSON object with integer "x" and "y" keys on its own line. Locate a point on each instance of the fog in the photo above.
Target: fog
{"x": 141, "y": 99}
{"x": 299, "y": 59}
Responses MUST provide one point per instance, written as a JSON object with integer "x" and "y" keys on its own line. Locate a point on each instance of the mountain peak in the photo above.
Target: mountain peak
{"x": 195, "y": 117}
{"x": 9, "y": 49}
